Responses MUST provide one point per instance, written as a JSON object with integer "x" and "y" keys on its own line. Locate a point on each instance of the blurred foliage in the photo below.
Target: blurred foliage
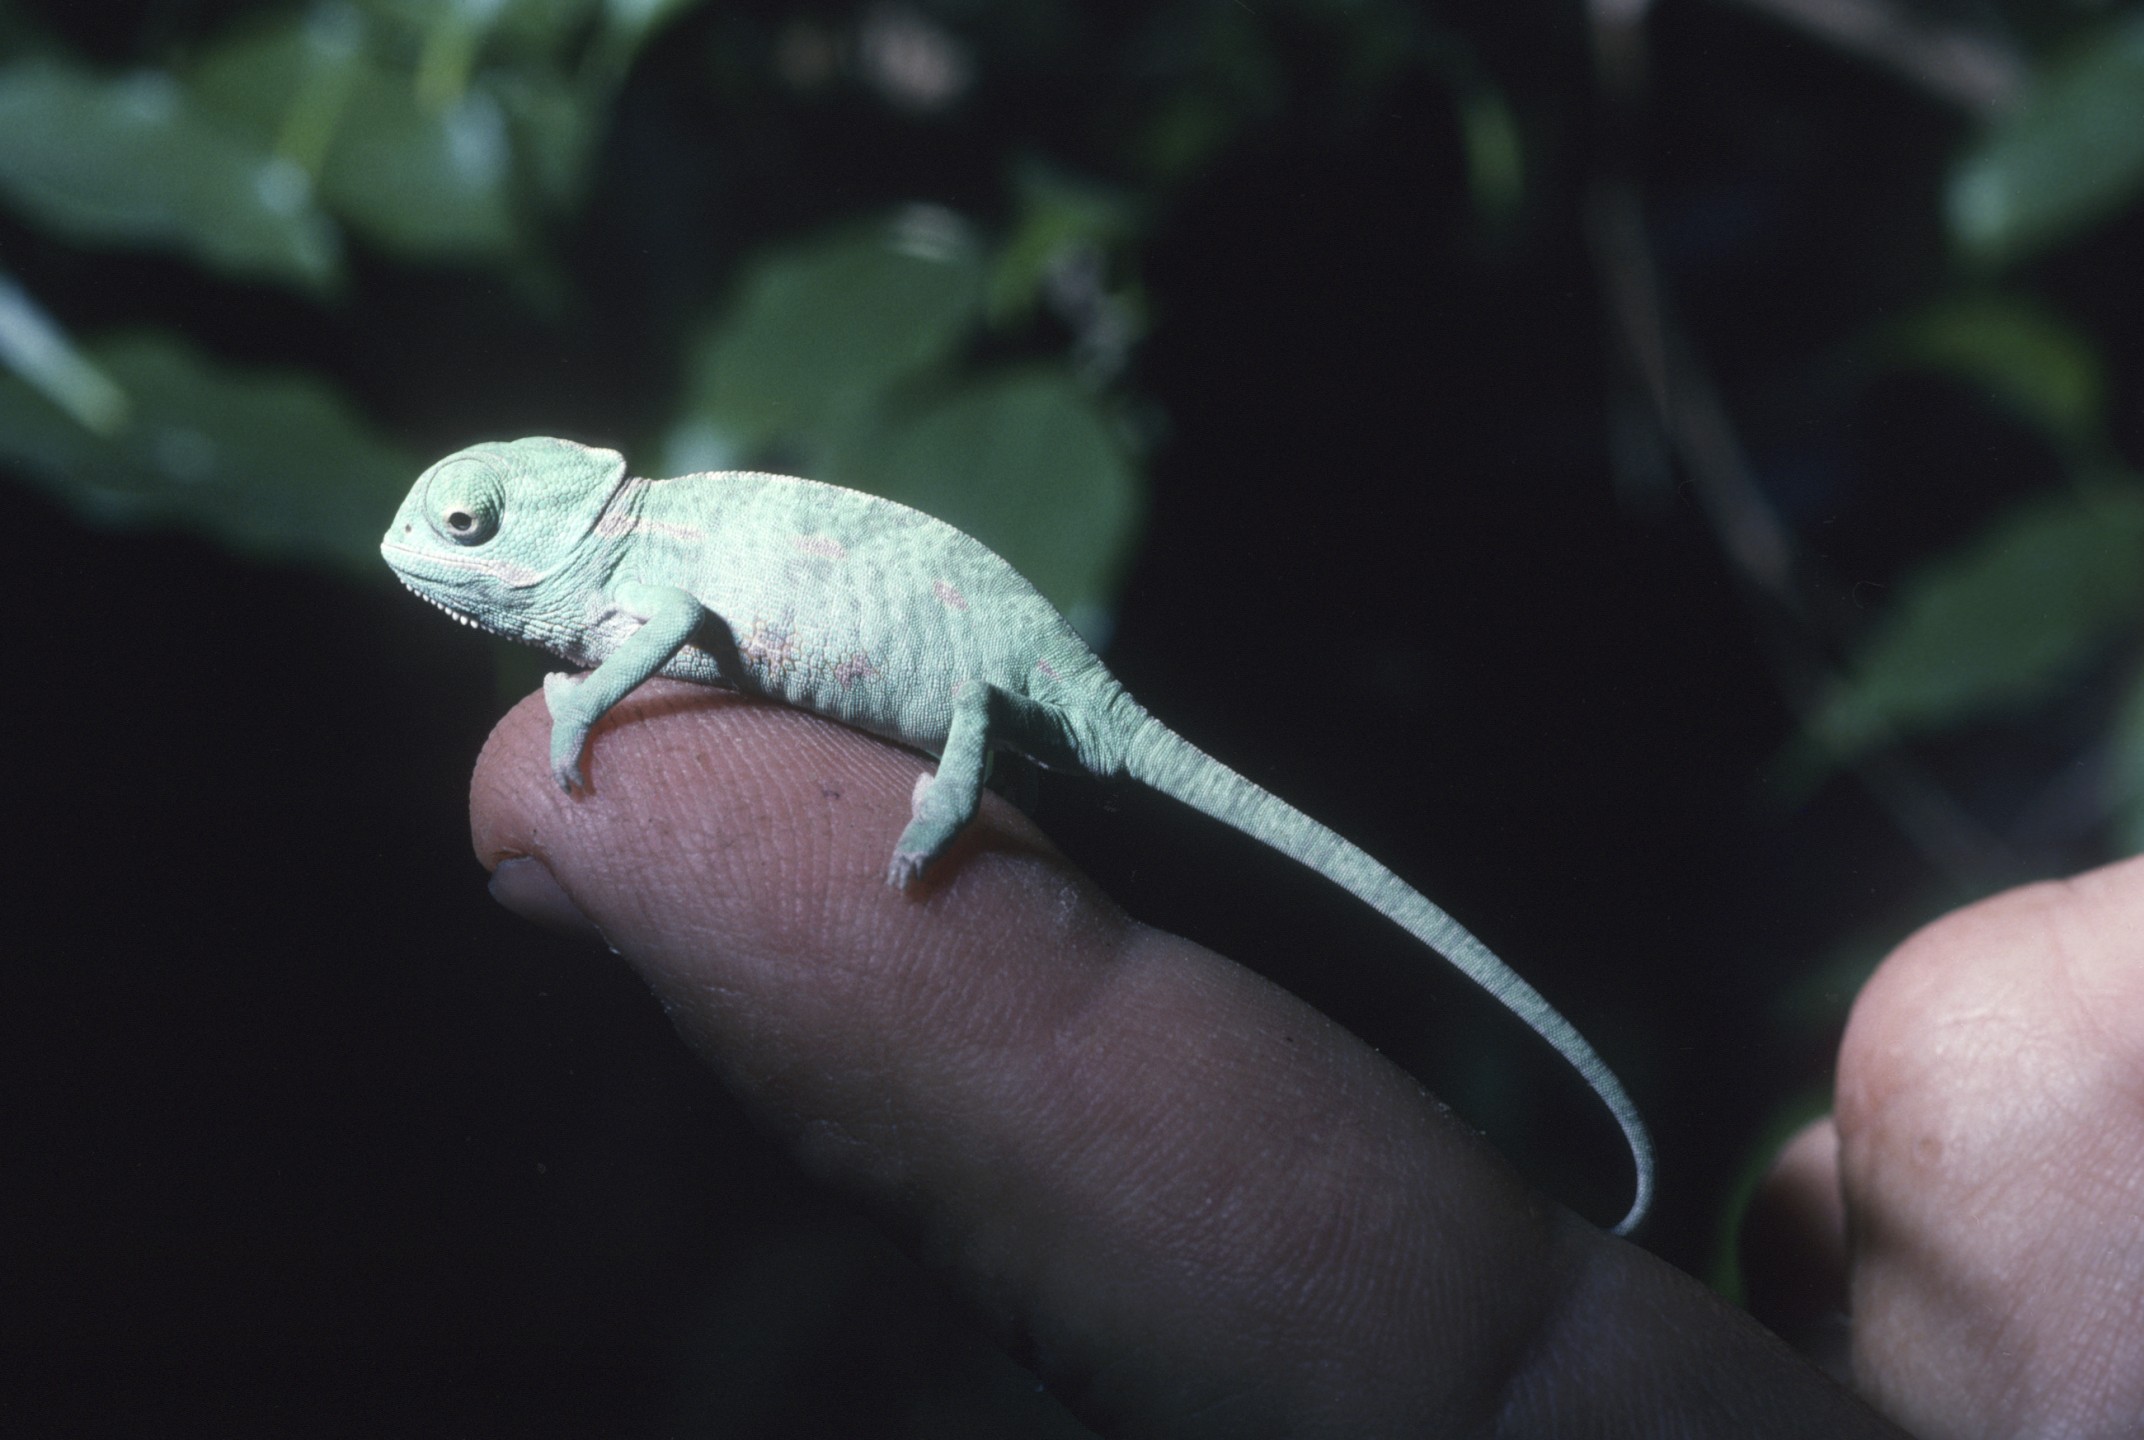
{"x": 272, "y": 465}
{"x": 2044, "y": 369}
{"x": 2011, "y": 617}
{"x": 2055, "y": 585}
{"x": 462, "y": 133}
{"x": 268, "y": 146}
{"x": 836, "y": 358}
{"x": 978, "y": 364}
{"x": 2001, "y": 622}
{"x": 819, "y": 334}
{"x": 137, "y": 160}
{"x": 418, "y": 164}
{"x": 2070, "y": 155}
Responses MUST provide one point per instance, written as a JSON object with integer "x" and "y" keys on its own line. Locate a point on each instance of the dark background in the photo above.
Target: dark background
{"x": 306, "y": 1136}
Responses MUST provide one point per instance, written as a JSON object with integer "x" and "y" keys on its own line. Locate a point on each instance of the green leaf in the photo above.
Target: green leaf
{"x": 427, "y": 181}
{"x": 1057, "y": 215}
{"x": 1024, "y": 464}
{"x": 555, "y": 125}
{"x": 270, "y": 465}
{"x": 821, "y": 331}
{"x": 37, "y": 350}
{"x": 2071, "y": 155}
{"x": 2001, "y": 622}
{"x": 135, "y": 161}
{"x": 426, "y": 184}
{"x": 1185, "y": 133}
{"x": 2036, "y": 363}
{"x": 1496, "y": 154}
{"x": 833, "y": 362}
{"x": 641, "y": 17}
{"x": 1224, "y": 73}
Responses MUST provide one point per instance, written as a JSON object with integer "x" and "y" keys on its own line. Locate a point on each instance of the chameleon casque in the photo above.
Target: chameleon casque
{"x": 868, "y": 612}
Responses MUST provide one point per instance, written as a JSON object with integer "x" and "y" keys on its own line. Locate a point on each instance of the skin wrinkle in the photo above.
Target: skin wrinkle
{"x": 1587, "y": 1378}
{"x": 956, "y": 1001}
{"x": 2075, "y": 1380}
{"x": 1105, "y": 1131}
{"x": 2098, "y": 1002}
{"x": 1287, "y": 1251}
{"x": 1945, "y": 1299}
{"x": 1528, "y": 1398}
{"x": 1337, "y": 1232}
{"x": 2103, "y": 1306}
{"x": 1205, "y": 1234}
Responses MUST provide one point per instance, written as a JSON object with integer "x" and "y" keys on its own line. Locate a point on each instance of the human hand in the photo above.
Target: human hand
{"x": 1193, "y": 1204}
{"x": 1977, "y": 1201}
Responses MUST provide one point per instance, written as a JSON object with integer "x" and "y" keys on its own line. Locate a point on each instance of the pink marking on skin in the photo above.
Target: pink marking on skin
{"x": 617, "y": 516}
{"x": 825, "y": 547}
{"x": 949, "y": 594}
{"x": 612, "y": 526}
{"x": 856, "y": 667}
{"x": 770, "y": 648}
{"x": 1046, "y": 668}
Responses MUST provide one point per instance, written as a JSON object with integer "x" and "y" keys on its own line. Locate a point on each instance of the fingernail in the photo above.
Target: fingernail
{"x": 525, "y": 886}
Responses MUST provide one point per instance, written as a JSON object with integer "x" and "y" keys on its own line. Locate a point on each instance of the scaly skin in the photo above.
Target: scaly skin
{"x": 865, "y": 611}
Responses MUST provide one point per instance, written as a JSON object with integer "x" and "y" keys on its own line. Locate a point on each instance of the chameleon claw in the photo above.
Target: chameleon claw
{"x": 906, "y": 869}
{"x": 566, "y": 759}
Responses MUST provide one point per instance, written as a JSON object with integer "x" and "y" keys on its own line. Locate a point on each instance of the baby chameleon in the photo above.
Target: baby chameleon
{"x": 865, "y": 611}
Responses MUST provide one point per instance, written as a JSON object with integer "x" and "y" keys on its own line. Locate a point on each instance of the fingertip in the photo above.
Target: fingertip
{"x": 501, "y": 798}
{"x": 524, "y": 885}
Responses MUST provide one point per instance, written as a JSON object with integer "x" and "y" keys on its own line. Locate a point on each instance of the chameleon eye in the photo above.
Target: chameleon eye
{"x": 465, "y": 502}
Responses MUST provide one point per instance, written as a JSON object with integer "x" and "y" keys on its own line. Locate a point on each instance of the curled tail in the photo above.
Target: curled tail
{"x": 1157, "y": 756}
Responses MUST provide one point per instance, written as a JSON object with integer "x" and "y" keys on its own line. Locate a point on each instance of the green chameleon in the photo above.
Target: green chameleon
{"x": 868, "y": 612}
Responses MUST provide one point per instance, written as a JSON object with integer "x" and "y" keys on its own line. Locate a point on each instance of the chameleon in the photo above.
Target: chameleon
{"x": 871, "y": 613}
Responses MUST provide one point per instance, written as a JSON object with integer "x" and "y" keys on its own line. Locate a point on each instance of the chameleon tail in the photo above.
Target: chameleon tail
{"x": 1157, "y": 756}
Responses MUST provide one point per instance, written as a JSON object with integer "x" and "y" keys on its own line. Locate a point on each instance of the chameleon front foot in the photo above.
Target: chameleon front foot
{"x": 569, "y": 729}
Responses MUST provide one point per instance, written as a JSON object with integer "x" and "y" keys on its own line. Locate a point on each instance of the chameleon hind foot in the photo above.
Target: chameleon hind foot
{"x": 935, "y": 818}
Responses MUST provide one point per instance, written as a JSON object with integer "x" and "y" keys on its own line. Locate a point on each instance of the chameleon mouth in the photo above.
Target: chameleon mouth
{"x": 440, "y": 605}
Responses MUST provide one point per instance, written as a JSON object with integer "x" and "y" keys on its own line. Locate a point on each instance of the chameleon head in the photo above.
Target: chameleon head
{"x": 484, "y": 530}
